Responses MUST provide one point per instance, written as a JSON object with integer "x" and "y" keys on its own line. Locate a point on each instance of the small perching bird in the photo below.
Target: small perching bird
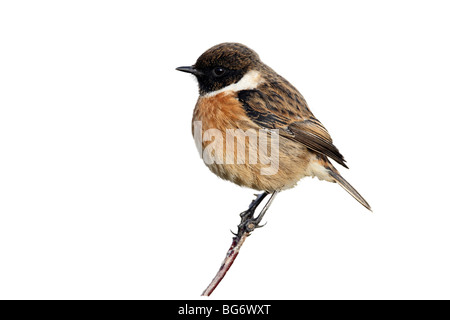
{"x": 239, "y": 92}
{"x": 244, "y": 109}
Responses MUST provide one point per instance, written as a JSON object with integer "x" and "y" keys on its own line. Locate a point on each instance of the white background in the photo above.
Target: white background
{"x": 102, "y": 192}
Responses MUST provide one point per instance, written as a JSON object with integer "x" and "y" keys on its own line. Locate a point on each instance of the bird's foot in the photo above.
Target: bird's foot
{"x": 248, "y": 220}
{"x": 251, "y": 224}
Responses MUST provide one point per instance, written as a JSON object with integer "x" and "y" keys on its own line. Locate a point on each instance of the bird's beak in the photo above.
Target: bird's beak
{"x": 190, "y": 69}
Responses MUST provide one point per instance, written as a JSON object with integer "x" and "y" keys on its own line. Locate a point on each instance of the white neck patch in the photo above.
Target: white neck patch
{"x": 249, "y": 81}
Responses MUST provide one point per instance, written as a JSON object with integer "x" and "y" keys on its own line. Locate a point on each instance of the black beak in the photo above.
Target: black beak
{"x": 190, "y": 69}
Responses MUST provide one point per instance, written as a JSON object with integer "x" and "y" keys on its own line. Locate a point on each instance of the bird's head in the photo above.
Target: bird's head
{"x": 222, "y": 65}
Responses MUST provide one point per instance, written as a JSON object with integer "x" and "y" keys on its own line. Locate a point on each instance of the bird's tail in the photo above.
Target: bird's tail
{"x": 347, "y": 187}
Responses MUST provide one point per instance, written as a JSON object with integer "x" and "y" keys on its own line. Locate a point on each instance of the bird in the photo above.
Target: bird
{"x": 237, "y": 91}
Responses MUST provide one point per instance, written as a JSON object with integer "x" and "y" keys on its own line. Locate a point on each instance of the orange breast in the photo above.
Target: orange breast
{"x": 222, "y": 111}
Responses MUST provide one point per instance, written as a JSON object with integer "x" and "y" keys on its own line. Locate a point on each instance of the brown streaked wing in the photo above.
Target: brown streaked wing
{"x": 278, "y": 105}
{"x": 315, "y": 137}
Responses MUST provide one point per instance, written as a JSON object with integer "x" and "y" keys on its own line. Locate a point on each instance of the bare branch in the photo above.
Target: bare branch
{"x": 227, "y": 262}
{"x": 247, "y": 225}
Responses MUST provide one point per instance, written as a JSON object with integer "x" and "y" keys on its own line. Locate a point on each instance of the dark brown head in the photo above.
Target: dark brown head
{"x": 222, "y": 65}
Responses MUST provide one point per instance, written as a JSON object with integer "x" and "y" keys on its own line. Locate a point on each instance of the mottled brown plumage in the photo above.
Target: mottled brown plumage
{"x": 238, "y": 91}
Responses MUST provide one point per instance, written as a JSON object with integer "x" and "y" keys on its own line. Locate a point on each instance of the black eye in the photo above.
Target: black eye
{"x": 218, "y": 72}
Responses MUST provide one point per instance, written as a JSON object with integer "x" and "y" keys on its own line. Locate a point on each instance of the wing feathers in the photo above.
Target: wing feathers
{"x": 291, "y": 115}
{"x": 316, "y": 138}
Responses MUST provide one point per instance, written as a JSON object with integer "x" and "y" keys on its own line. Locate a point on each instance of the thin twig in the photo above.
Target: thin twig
{"x": 247, "y": 225}
{"x": 232, "y": 253}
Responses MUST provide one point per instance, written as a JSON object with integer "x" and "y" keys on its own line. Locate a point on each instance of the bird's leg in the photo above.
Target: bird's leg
{"x": 258, "y": 219}
{"x": 252, "y": 207}
{"x": 248, "y": 221}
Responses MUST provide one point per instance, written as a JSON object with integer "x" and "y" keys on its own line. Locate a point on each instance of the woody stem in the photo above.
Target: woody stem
{"x": 247, "y": 225}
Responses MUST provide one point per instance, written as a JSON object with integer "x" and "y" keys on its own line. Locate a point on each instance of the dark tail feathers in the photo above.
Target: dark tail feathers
{"x": 344, "y": 184}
